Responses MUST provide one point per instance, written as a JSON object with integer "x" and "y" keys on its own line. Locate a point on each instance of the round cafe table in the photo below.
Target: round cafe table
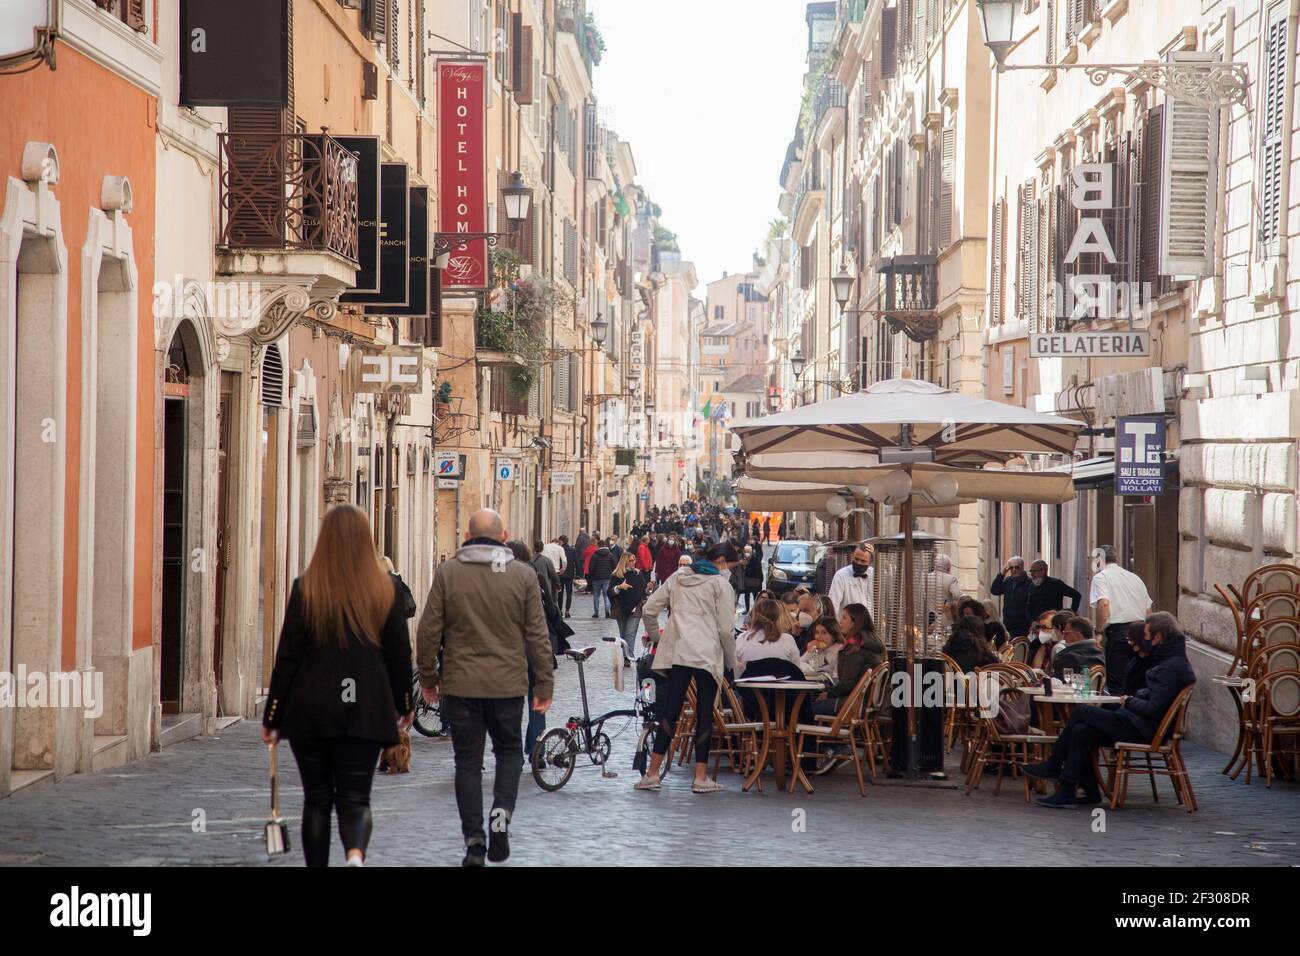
{"x": 778, "y": 723}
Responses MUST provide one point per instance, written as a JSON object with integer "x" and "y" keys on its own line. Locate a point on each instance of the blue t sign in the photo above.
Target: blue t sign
{"x": 1140, "y": 455}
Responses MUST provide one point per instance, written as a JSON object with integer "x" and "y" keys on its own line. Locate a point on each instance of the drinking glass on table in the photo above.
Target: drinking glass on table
{"x": 1068, "y": 676}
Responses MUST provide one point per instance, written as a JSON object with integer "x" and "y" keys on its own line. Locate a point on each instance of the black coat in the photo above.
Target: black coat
{"x": 1051, "y": 595}
{"x": 1015, "y": 603}
{"x": 1078, "y": 657}
{"x": 601, "y": 566}
{"x": 629, "y": 602}
{"x": 309, "y": 699}
{"x": 570, "y": 563}
{"x": 853, "y": 663}
{"x": 968, "y": 655}
{"x": 1153, "y": 682}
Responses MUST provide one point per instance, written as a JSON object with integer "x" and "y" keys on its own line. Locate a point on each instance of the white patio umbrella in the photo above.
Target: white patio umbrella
{"x": 911, "y": 425}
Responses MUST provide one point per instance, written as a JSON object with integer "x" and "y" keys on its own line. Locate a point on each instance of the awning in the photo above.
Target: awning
{"x": 1099, "y": 471}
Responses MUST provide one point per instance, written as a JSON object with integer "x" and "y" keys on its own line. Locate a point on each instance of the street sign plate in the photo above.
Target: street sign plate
{"x": 1140, "y": 455}
{"x": 448, "y": 465}
{"x": 1089, "y": 344}
{"x": 506, "y": 469}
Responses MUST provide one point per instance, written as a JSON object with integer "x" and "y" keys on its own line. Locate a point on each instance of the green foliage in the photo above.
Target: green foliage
{"x": 444, "y": 392}
{"x": 595, "y": 40}
{"x": 777, "y": 228}
{"x": 521, "y": 327}
{"x": 665, "y": 240}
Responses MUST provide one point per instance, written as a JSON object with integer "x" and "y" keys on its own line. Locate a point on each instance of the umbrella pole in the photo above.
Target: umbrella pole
{"x": 909, "y": 613}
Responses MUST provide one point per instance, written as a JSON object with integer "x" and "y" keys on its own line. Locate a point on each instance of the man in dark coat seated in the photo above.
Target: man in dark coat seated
{"x": 1155, "y": 677}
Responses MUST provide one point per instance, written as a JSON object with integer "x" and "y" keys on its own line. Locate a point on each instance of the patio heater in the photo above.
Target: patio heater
{"x": 913, "y": 624}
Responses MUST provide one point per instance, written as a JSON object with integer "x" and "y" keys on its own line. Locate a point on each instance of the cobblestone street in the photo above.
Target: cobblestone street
{"x": 143, "y": 813}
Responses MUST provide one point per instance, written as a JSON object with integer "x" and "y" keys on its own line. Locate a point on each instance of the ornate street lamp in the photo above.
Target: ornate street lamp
{"x": 1206, "y": 83}
{"x": 518, "y": 199}
{"x": 599, "y": 328}
{"x": 842, "y": 284}
{"x": 797, "y": 363}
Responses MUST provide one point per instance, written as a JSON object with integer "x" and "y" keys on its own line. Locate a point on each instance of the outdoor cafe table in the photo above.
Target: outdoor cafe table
{"x": 1235, "y": 685}
{"x": 1065, "y": 698}
{"x": 778, "y": 739}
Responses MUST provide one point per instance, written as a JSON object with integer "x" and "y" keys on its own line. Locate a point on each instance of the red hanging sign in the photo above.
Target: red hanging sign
{"x": 462, "y": 170}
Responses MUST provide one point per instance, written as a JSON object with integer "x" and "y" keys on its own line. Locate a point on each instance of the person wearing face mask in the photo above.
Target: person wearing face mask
{"x": 1078, "y": 651}
{"x": 853, "y": 584}
{"x": 1156, "y": 676}
{"x": 1047, "y": 593}
{"x": 666, "y": 559}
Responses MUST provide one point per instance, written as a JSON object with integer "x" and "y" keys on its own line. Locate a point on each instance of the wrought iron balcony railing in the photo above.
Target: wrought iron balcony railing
{"x": 287, "y": 192}
{"x": 909, "y": 295}
{"x": 829, "y": 96}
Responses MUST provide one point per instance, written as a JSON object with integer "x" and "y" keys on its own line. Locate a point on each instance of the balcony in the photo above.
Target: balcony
{"x": 288, "y": 211}
{"x": 909, "y": 295}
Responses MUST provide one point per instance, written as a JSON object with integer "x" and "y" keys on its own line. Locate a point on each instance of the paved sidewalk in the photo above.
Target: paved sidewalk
{"x": 148, "y": 812}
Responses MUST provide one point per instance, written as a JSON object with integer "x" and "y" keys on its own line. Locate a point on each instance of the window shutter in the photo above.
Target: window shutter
{"x": 1049, "y": 31}
{"x": 431, "y": 327}
{"x": 888, "y": 42}
{"x": 948, "y": 179}
{"x": 1189, "y": 184}
{"x": 906, "y": 20}
{"x": 272, "y": 377}
{"x": 922, "y": 30}
{"x": 390, "y": 34}
{"x": 1274, "y": 127}
{"x": 420, "y": 63}
{"x": 995, "y": 279}
{"x": 900, "y": 159}
{"x": 1149, "y": 197}
{"x": 524, "y": 82}
{"x": 516, "y": 49}
{"x": 561, "y": 397}
{"x": 535, "y": 396}
{"x": 575, "y": 381}
{"x": 1044, "y": 267}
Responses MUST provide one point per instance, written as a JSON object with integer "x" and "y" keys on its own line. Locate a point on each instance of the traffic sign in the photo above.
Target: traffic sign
{"x": 506, "y": 469}
{"x": 450, "y": 483}
{"x": 448, "y": 465}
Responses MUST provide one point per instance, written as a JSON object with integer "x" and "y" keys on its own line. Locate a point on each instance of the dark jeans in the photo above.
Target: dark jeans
{"x": 335, "y": 773}
{"x": 1118, "y": 655}
{"x": 706, "y": 692}
{"x": 536, "y": 721}
{"x": 472, "y": 720}
{"x": 564, "y": 600}
{"x": 1089, "y": 727}
{"x": 627, "y": 629}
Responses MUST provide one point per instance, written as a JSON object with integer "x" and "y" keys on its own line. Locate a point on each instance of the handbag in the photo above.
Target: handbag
{"x": 277, "y": 831}
{"x": 1013, "y": 714}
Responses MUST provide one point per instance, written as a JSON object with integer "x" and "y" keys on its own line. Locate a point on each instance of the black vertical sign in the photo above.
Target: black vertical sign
{"x": 394, "y": 240}
{"x": 417, "y": 303}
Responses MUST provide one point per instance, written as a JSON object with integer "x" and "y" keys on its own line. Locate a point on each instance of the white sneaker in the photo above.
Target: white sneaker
{"x": 707, "y": 786}
{"x": 356, "y": 861}
{"x": 648, "y": 782}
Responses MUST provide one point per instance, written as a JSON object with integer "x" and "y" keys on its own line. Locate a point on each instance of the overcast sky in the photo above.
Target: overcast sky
{"x": 707, "y": 92}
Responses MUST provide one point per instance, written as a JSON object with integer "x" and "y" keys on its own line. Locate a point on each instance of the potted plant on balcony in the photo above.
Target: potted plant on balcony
{"x": 516, "y": 321}
{"x": 442, "y": 404}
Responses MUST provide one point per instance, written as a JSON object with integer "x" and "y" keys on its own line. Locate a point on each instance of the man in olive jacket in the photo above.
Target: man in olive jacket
{"x": 483, "y": 615}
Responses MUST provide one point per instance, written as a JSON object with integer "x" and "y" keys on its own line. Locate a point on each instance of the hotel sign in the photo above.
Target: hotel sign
{"x": 1089, "y": 344}
{"x": 462, "y": 171}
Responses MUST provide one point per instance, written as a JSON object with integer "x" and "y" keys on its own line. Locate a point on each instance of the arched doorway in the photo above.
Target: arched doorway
{"x": 175, "y": 543}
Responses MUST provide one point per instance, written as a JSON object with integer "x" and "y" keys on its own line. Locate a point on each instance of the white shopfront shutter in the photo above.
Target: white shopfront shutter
{"x": 1189, "y": 182}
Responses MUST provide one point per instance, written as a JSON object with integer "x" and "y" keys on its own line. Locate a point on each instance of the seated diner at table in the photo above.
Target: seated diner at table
{"x": 861, "y": 651}
{"x": 764, "y": 639}
{"x": 968, "y": 646}
{"x": 1155, "y": 677}
{"x": 820, "y": 658}
{"x": 1078, "y": 651}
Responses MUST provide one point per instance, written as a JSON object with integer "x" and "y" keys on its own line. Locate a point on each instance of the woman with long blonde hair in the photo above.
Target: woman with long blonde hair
{"x": 341, "y": 687}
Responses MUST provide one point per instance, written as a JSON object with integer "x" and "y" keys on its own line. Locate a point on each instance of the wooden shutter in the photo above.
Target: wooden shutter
{"x": 390, "y": 35}
{"x": 888, "y": 42}
{"x": 1274, "y": 128}
{"x": 1189, "y": 184}
{"x": 524, "y": 85}
{"x": 560, "y": 390}
{"x": 1149, "y": 213}
{"x": 517, "y": 80}
{"x": 420, "y": 68}
{"x": 906, "y": 20}
{"x": 948, "y": 179}
{"x": 1044, "y": 264}
{"x": 376, "y": 19}
{"x": 998, "y": 259}
{"x": 272, "y": 377}
{"x": 1049, "y": 31}
{"x": 900, "y": 162}
{"x": 924, "y": 190}
{"x": 921, "y": 32}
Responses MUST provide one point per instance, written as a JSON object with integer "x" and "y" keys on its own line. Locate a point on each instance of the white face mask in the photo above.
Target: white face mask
{"x": 805, "y": 619}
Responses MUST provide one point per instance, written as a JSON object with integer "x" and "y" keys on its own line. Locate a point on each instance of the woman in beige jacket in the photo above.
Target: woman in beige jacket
{"x": 699, "y": 642}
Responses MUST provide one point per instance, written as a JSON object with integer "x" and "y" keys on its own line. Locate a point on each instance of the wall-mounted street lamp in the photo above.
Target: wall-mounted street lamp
{"x": 1207, "y": 83}
{"x": 797, "y": 365}
{"x": 518, "y": 201}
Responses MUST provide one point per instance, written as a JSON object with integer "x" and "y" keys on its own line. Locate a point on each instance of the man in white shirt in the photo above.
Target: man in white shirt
{"x": 1120, "y": 598}
{"x": 852, "y": 584}
{"x": 555, "y": 551}
{"x": 941, "y": 584}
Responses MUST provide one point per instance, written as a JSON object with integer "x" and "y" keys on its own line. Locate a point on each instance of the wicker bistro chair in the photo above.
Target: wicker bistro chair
{"x": 994, "y": 747}
{"x": 683, "y": 741}
{"x": 734, "y": 735}
{"x": 1097, "y": 678}
{"x": 1261, "y": 635}
{"x": 959, "y": 722}
{"x": 1271, "y": 577}
{"x": 1164, "y": 746}
{"x": 1255, "y": 709}
{"x": 1019, "y": 650}
{"x": 844, "y": 729}
{"x": 871, "y": 725}
{"x": 1278, "y": 693}
{"x": 1238, "y": 622}
{"x": 1270, "y": 606}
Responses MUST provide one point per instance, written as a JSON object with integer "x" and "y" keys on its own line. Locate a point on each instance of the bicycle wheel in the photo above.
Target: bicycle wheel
{"x": 428, "y": 717}
{"x": 645, "y": 748}
{"x": 553, "y": 759}
{"x": 600, "y": 748}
